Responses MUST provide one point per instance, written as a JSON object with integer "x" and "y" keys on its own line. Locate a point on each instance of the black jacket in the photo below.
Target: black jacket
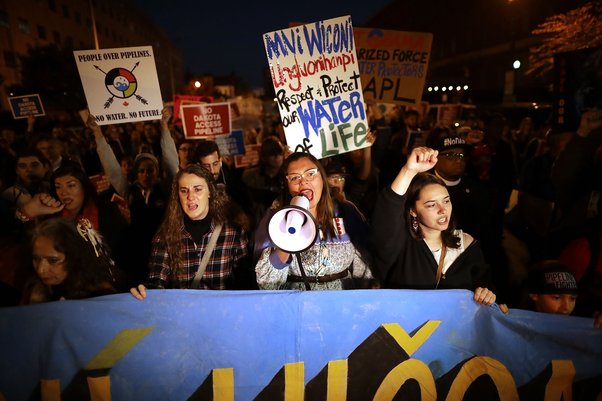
{"x": 401, "y": 261}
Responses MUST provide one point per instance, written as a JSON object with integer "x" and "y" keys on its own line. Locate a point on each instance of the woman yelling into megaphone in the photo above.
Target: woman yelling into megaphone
{"x": 315, "y": 243}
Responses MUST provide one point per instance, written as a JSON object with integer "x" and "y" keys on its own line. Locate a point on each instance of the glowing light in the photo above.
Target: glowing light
{"x": 516, "y": 64}
{"x": 465, "y": 87}
{"x": 444, "y": 89}
{"x": 197, "y": 84}
{"x": 436, "y": 88}
{"x": 430, "y": 89}
{"x": 456, "y": 125}
{"x": 450, "y": 87}
{"x": 458, "y": 88}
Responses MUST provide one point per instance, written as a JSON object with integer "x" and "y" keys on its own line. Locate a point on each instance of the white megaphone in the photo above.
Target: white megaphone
{"x": 293, "y": 228}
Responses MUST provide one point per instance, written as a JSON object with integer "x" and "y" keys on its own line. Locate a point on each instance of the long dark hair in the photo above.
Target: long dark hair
{"x": 88, "y": 274}
{"x": 73, "y": 169}
{"x": 172, "y": 227}
{"x": 421, "y": 180}
{"x": 325, "y": 209}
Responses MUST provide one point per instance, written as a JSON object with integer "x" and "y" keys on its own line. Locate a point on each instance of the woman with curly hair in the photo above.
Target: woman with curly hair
{"x": 70, "y": 262}
{"x": 197, "y": 212}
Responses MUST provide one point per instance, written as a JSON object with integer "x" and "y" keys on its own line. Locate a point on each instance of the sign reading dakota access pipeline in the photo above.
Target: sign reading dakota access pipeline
{"x": 293, "y": 346}
{"x": 318, "y": 89}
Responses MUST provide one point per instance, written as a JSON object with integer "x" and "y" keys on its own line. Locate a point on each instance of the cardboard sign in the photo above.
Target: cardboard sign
{"x": 24, "y": 106}
{"x": 121, "y": 85}
{"x": 205, "y": 120}
{"x": 393, "y": 64}
{"x": 318, "y": 89}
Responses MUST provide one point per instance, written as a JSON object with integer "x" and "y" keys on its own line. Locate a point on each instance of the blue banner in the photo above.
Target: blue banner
{"x": 288, "y": 345}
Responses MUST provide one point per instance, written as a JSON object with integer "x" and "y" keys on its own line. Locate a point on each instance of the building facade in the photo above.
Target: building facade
{"x": 476, "y": 44}
{"x": 80, "y": 25}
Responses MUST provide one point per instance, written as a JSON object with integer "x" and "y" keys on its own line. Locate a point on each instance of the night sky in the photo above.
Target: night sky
{"x": 222, "y": 37}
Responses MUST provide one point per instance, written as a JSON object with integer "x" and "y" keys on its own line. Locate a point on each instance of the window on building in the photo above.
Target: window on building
{"x": 65, "y": 11}
{"x": 24, "y": 25}
{"x": 3, "y": 19}
{"x": 10, "y": 59}
{"x": 57, "y": 37}
{"x": 52, "y": 5}
{"x": 41, "y": 32}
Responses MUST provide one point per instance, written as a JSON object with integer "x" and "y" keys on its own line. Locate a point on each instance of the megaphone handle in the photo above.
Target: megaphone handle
{"x": 302, "y": 270}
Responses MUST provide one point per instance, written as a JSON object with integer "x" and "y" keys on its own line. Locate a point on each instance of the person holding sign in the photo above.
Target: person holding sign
{"x": 414, "y": 239}
{"x": 197, "y": 246}
{"x": 338, "y": 254}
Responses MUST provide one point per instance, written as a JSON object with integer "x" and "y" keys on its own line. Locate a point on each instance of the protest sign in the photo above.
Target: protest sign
{"x": 179, "y": 100}
{"x": 121, "y": 84}
{"x": 353, "y": 345}
{"x": 318, "y": 89}
{"x": 24, "y": 106}
{"x": 393, "y": 64}
{"x": 249, "y": 158}
{"x": 205, "y": 120}
{"x": 231, "y": 144}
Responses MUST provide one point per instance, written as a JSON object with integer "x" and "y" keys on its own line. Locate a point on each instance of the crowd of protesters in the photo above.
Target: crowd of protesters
{"x": 477, "y": 204}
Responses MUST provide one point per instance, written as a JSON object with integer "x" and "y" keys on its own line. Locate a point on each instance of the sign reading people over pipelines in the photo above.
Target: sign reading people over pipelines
{"x": 318, "y": 88}
{"x": 121, "y": 85}
{"x": 393, "y": 64}
{"x": 205, "y": 120}
{"x": 353, "y": 345}
{"x": 25, "y": 106}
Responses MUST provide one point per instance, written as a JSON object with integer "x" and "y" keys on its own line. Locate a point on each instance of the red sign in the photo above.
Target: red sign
{"x": 206, "y": 120}
{"x": 179, "y": 100}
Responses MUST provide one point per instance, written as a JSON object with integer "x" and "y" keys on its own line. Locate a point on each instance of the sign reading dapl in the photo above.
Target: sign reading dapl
{"x": 393, "y": 64}
{"x": 24, "y": 106}
{"x": 318, "y": 88}
{"x": 205, "y": 120}
{"x": 121, "y": 85}
{"x": 290, "y": 345}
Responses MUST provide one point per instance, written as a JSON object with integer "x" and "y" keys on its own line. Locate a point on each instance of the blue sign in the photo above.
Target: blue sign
{"x": 24, "y": 106}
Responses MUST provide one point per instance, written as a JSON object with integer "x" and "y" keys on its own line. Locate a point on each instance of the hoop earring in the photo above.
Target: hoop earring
{"x": 414, "y": 224}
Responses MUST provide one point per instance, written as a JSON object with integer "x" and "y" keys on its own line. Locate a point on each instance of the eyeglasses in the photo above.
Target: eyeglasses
{"x": 336, "y": 178}
{"x": 453, "y": 155}
{"x": 309, "y": 176}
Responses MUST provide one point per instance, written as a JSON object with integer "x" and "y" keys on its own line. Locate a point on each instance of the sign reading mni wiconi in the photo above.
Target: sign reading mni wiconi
{"x": 318, "y": 89}
{"x": 121, "y": 84}
{"x": 393, "y": 64}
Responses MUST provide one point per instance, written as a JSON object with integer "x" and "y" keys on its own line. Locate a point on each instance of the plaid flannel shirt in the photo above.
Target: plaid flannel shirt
{"x": 231, "y": 247}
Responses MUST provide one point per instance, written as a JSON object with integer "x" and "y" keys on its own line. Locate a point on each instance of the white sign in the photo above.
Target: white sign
{"x": 318, "y": 89}
{"x": 121, "y": 85}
